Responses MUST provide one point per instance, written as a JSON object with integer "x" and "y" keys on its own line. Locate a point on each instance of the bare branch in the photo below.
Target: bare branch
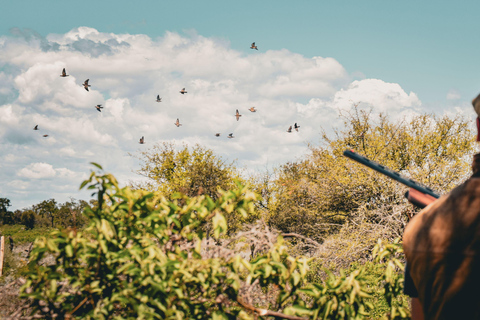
{"x": 267, "y": 313}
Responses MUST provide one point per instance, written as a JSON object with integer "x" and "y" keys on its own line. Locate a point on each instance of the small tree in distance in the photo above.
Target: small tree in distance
{"x": 191, "y": 171}
{"x": 47, "y": 208}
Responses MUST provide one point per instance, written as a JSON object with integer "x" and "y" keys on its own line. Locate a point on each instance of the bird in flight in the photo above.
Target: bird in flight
{"x": 252, "y": 109}
{"x": 45, "y": 135}
{"x": 230, "y": 136}
{"x": 142, "y": 140}
{"x": 86, "y": 85}
{"x": 289, "y": 129}
{"x": 254, "y": 46}
{"x": 64, "y": 73}
{"x": 36, "y": 127}
{"x": 99, "y": 107}
{"x": 217, "y": 134}
{"x": 296, "y": 127}
{"x": 177, "y": 123}
{"x": 237, "y": 115}
{"x": 158, "y": 98}
{"x": 183, "y": 91}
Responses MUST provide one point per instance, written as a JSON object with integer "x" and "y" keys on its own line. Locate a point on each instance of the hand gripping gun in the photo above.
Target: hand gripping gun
{"x": 419, "y": 195}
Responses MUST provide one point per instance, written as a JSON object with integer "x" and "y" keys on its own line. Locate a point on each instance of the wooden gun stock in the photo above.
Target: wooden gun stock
{"x": 418, "y": 198}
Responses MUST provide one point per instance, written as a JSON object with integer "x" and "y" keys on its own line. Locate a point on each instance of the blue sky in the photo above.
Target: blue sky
{"x": 314, "y": 59}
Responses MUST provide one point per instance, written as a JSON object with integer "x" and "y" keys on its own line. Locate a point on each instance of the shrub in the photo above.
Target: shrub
{"x": 140, "y": 257}
{"x": 28, "y": 219}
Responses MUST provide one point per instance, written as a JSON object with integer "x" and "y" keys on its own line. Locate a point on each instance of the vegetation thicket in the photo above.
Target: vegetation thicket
{"x": 141, "y": 258}
{"x": 200, "y": 240}
{"x": 326, "y": 192}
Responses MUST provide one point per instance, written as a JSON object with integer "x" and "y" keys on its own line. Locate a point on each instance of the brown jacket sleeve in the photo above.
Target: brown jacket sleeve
{"x": 442, "y": 247}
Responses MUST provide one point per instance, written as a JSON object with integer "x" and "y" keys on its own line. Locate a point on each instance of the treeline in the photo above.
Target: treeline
{"x": 47, "y": 213}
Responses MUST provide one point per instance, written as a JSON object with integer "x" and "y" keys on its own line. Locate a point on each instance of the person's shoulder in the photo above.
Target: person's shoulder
{"x": 462, "y": 204}
{"x": 468, "y": 188}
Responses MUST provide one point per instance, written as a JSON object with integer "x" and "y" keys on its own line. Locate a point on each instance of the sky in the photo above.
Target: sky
{"x": 314, "y": 59}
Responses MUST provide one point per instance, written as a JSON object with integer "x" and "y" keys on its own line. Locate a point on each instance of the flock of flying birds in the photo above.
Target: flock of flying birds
{"x": 177, "y": 123}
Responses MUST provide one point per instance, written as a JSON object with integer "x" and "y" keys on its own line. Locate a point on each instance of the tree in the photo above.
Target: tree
{"x": 47, "y": 208}
{"x": 191, "y": 171}
{"x": 320, "y": 193}
{"x": 28, "y": 219}
{"x": 5, "y": 216}
{"x": 69, "y": 213}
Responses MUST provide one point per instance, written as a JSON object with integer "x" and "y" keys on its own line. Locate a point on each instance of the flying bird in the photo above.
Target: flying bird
{"x": 183, "y": 91}
{"x": 159, "y": 99}
{"x": 289, "y": 129}
{"x": 237, "y": 115}
{"x": 86, "y": 85}
{"x": 36, "y": 127}
{"x": 142, "y": 140}
{"x": 254, "y": 46}
{"x": 177, "y": 123}
{"x": 64, "y": 73}
{"x": 252, "y": 109}
{"x": 99, "y": 107}
{"x": 45, "y": 135}
{"x": 217, "y": 134}
{"x": 230, "y": 136}
{"x": 296, "y": 127}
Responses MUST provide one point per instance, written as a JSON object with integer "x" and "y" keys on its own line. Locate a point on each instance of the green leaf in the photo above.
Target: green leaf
{"x": 219, "y": 315}
{"x": 97, "y": 165}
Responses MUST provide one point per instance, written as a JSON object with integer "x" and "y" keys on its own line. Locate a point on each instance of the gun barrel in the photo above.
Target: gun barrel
{"x": 390, "y": 173}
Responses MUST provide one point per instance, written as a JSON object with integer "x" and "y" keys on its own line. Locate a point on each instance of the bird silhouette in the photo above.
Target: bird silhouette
{"x": 183, "y": 91}
{"x": 254, "y": 46}
{"x": 86, "y": 85}
{"x": 64, "y": 73}
{"x": 237, "y": 115}
{"x": 36, "y": 127}
{"x": 289, "y": 129}
{"x": 230, "y": 136}
{"x": 177, "y": 123}
{"x": 296, "y": 127}
{"x": 45, "y": 135}
{"x": 142, "y": 140}
{"x": 99, "y": 107}
{"x": 217, "y": 134}
{"x": 159, "y": 99}
{"x": 252, "y": 109}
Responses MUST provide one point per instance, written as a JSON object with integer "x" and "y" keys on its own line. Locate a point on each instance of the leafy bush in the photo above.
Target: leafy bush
{"x": 140, "y": 258}
{"x": 319, "y": 193}
{"x": 28, "y": 219}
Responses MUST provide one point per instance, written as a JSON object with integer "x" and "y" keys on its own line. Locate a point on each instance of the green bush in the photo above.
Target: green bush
{"x": 28, "y": 219}
{"x": 140, "y": 257}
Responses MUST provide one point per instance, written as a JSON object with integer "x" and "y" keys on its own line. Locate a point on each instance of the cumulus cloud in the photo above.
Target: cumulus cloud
{"x": 38, "y": 170}
{"x": 126, "y": 74}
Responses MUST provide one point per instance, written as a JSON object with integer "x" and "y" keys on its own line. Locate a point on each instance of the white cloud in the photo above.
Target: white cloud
{"x": 383, "y": 96}
{"x": 68, "y": 151}
{"x": 19, "y": 184}
{"x": 128, "y": 71}
{"x": 37, "y": 170}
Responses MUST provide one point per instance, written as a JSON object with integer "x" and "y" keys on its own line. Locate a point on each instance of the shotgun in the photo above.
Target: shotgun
{"x": 419, "y": 195}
